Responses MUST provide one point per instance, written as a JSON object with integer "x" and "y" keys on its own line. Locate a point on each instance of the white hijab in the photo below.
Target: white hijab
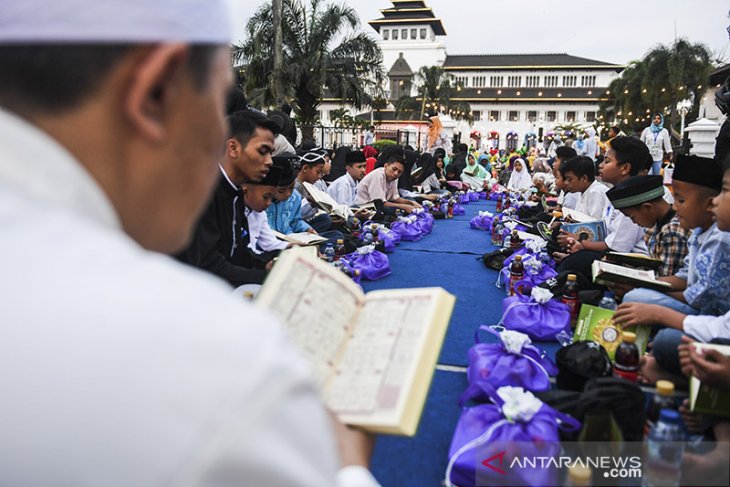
{"x": 519, "y": 180}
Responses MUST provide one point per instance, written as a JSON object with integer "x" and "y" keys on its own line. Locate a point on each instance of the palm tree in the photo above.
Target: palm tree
{"x": 321, "y": 49}
{"x": 436, "y": 88}
{"x": 666, "y": 75}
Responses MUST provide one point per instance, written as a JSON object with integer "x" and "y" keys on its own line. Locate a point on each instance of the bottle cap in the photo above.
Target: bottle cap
{"x": 580, "y": 475}
{"x": 518, "y": 258}
{"x": 558, "y": 214}
{"x": 249, "y": 295}
{"x": 572, "y": 277}
{"x": 665, "y": 388}
{"x": 670, "y": 416}
{"x": 340, "y": 241}
{"x": 628, "y": 337}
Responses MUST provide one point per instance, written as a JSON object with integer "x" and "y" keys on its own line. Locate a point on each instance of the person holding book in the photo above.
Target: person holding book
{"x": 474, "y": 175}
{"x": 221, "y": 236}
{"x": 344, "y": 189}
{"x": 641, "y": 198}
{"x": 136, "y": 369}
{"x": 432, "y": 178}
{"x": 579, "y": 176}
{"x": 702, "y": 285}
{"x": 258, "y": 195}
{"x": 312, "y": 168}
{"x": 285, "y": 211}
{"x": 381, "y": 185}
{"x": 519, "y": 179}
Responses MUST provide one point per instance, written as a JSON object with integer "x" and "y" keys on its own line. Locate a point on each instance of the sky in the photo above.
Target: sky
{"x": 615, "y": 31}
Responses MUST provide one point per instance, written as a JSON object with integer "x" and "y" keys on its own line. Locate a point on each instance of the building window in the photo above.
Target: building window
{"x": 570, "y": 81}
{"x": 532, "y": 81}
{"x": 531, "y": 116}
{"x": 494, "y": 116}
{"x": 386, "y": 34}
{"x": 496, "y": 81}
{"x": 479, "y": 81}
{"x": 514, "y": 116}
{"x": 570, "y": 116}
{"x": 461, "y": 81}
{"x": 552, "y": 116}
{"x": 414, "y": 35}
{"x": 514, "y": 81}
{"x": 423, "y": 33}
{"x": 404, "y": 34}
{"x": 590, "y": 116}
{"x": 477, "y": 116}
{"x": 588, "y": 81}
{"x": 551, "y": 81}
{"x": 395, "y": 34}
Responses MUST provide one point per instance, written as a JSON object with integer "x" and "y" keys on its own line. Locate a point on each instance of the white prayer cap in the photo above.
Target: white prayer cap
{"x": 114, "y": 21}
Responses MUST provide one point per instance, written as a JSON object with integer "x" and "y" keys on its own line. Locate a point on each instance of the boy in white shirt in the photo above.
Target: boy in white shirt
{"x": 579, "y": 176}
{"x": 344, "y": 188}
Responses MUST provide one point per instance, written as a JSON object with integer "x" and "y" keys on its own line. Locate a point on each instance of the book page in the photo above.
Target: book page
{"x": 376, "y": 376}
{"x": 302, "y": 238}
{"x": 317, "y": 304}
{"x": 639, "y": 274}
{"x": 327, "y": 202}
{"x": 577, "y": 216}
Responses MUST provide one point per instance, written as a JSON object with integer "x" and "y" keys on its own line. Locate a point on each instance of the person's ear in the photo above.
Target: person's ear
{"x": 154, "y": 89}
{"x": 233, "y": 148}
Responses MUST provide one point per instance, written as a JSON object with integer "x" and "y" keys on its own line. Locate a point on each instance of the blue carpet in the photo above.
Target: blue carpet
{"x": 421, "y": 460}
{"x": 448, "y": 258}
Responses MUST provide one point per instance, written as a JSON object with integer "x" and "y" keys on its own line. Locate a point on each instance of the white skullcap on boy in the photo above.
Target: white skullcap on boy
{"x": 114, "y": 21}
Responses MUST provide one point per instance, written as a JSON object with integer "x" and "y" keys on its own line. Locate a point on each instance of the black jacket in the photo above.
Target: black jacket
{"x": 220, "y": 242}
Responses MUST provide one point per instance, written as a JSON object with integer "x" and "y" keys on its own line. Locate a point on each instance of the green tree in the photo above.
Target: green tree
{"x": 322, "y": 49}
{"x": 436, "y": 89}
{"x": 665, "y": 76}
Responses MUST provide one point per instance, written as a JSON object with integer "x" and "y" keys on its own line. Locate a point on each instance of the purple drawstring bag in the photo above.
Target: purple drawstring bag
{"x": 389, "y": 238}
{"x": 512, "y": 361}
{"x": 473, "y": 196}
{"x": 489, "y": 437}
{"x": 539, "y": 315}
{"x": 464, "y": 199}
{"x": 408, "y": 228}
{"x": 483, "y": 221}
{"x": 483, "y": 195}
{"x": 459, "y": 210}
{"x": 536, "y": 272}
{"x": 372, "y": 264}
{"x": 424, "y": 220}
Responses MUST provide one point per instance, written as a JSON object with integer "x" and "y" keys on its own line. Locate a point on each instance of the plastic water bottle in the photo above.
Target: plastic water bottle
{"x": 608, "y": 301}
{"x": 570, "y": 297}
{"x": 663, "y": 399}
{"x": 329, "y": 252}
{"x": 507, "y": 241}
{"x": 664, "y": 451}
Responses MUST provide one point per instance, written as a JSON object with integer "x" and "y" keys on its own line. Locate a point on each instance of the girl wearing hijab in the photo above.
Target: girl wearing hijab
{"x": 338, "y": 164}
{"x": 474, "y": 175}
{"x": 590, "y": 145}
{"x": 437, "y": 136}
{"x": 485, "y": 163}
{"x": 656, "y": 138}
{"x": 520, "y": 179}
{"x": 432, "y": 177}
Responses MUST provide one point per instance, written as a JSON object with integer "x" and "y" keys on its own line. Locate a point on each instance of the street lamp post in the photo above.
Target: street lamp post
{"x": 683, "y": 108}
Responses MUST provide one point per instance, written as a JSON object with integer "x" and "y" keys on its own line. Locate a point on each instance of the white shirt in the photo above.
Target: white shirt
{"x": 261, "y": 237}
{"x": 568, "y": 200}
{"x": 431, "y": 183}
{"x": 593, "y": 201}
{"x": 706, "y": 328}
{"x": 658, "y": 143}
{"x": 623, "y": 234}
{"x": 123, "y": 367}
{"x": 343, "y": 190}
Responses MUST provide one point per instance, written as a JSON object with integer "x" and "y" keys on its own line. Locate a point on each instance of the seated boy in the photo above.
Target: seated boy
{"x": 285, "y": 212}
{"x": 702, "y": 285}
{"x": 262, "y": 242}
{"x": 344, "y": 189}
{"x": 641, "y": 198}
{"x": 312, "y": 167}
{"x": 565, "y": 199}
{"x": 381, "y": 185}
{"x": 579, "y": 176}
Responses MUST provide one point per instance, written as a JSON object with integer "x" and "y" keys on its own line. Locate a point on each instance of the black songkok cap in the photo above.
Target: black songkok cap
{"x": 701, "y": 171}
{"x": 353, "y": 157}
{"x": 635, "y": 191}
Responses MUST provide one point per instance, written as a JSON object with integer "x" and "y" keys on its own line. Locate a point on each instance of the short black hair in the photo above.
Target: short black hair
{"x": 580, "y": 166}
{"x": 55, "y": 78}
{"x": 615, "y": 128}
{"x": 631, "y": 150}
{"x": 564, "y": 153}
{"x": 397, "y": 156}
{"x": 463, "y": 147}
{"x": 243, "y": 124}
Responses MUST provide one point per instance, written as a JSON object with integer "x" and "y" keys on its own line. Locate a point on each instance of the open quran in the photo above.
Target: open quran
{"x": 373, "y": 356}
